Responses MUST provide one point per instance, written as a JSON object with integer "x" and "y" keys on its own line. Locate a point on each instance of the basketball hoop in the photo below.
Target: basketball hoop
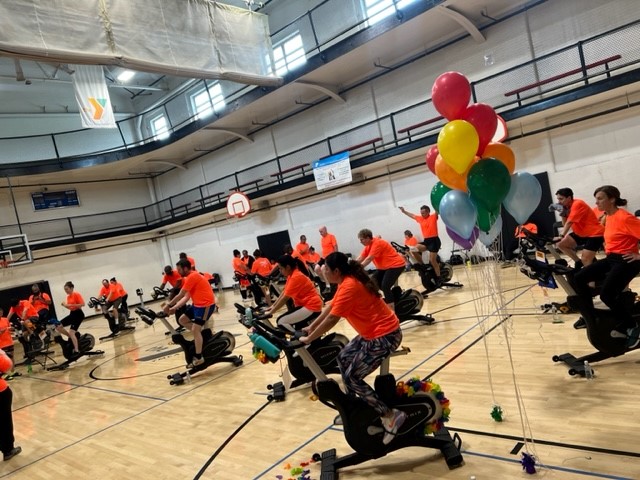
{"x": 238, "y": 205}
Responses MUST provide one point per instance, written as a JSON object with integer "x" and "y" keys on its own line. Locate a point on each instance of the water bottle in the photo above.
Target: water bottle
{"x": 248, "y": 316}
{"x": 556, "y": 314}
{"x": 588, "y": 373}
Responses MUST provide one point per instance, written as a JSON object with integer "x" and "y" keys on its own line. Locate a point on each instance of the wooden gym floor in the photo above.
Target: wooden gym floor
{"x": 117, "y": 417}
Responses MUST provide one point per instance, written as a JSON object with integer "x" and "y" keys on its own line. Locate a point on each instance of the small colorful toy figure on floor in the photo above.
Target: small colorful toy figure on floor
{"x": 528, "y": 463}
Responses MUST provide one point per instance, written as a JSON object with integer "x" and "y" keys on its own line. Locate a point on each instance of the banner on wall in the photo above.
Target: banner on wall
{"x": 92, "y": 96}
{"x": 332, "y": 171}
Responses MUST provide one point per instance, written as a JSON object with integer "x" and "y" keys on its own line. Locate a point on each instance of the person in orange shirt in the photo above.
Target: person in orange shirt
{"x": 302, "y": 248}
{"x": 431, "y": 241}
{"x": 299, "y": 288}
{"x": 247, "y": 259}
{"x": 41, "y": 302}
{"x": 9, "y": 450}
{"x": 184, "y": 256}
{"x": 124, "y": 296}
{"x": 111, "y": 307}
{"x": 586, "y": 229}
{"x": 328, "y": 245}
{"x": 74, "y": 304}
{"x": 409, "y": 239}
{"x": 196, "y": 288}
{"x": 6, "y": 342}
{"x": 27, "y": 317}
{"x": 389, "y": 263}
{"x": 514, "y": 243}
{"x": 314, "y": 257}
{"x": 262, "y": 266}
{"x": 619, "y": 267}
{"x": 173, "y": 278}
{"x": 358, "y": 300}
{"x": 241, "y": 267}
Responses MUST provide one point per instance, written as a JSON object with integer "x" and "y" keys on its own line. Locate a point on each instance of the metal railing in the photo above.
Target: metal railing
{"x": 584, "y": 63}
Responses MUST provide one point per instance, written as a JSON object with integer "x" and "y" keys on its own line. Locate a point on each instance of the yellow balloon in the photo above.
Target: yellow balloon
{"x": 458, "y": 143}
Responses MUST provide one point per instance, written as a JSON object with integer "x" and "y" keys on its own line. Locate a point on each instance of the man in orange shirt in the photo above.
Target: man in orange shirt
{"x": 124, "y": 296}
{"x": 242, "y": 268}
{"x": 314, "y": 257}
{"x": 429, "y": 226}
{"x": 184, "y": 256}
{"x": 262, "y": 266}
{"x": 302, "y": 248}
{"x": 389, "y": 263}
{"x": 328, "y": 244}
{"x": 27, "y": 317}
{"x": 586, "y": 229}
{"x": 173, "y": 278}
{"x": 196, "y": 288}
{"x": 41, "y": 302}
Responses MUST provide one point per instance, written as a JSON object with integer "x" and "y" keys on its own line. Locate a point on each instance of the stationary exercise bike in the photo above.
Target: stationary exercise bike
{"x": 86, "y": 342}
{"x": 115, "y": 328}
{"x": 324, "y": 350}
{"x": 599, "y": 322}
{"x": 362, "y": 426}
{"x": 216, "y": 347}
{"x": 426, "y": 272}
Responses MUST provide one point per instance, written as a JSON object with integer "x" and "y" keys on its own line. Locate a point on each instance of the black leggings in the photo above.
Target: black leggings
{"x": 6, "y": 421}
{"x": 386, "y": 279}
{"x": 617, "y": 273}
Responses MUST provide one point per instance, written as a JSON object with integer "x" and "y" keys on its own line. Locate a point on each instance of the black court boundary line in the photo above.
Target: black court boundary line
{"x": 606, "y": 451}
{"x": 229, "y": 438}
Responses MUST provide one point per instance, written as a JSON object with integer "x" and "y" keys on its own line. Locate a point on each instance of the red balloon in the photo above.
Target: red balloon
{"x": 450, "y": 95}
{"x": 483, "y": 117}
{"x": 432, "y": 154}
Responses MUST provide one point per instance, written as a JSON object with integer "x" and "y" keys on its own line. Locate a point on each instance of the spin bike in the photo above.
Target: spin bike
{"x": 216, "y": 347}
{"x": 86, "y": 342}
{"x": 362, "y": 426}
{"x": 426, "y": 272}
{"x": 599, "y": 321}
{"x": 115, "y": 328}
{"x": 324, "y": 350}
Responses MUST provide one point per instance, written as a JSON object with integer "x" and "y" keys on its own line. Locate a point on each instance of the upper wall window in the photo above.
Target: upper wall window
{"x": 159, "y": 127}
{"x": 208, "y": 100}
{"x": 378, "y": 9}
{"x": 289, "y": 54}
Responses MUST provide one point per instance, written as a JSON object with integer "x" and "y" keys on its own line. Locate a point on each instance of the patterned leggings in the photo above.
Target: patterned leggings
{"x": 361, "y": 357}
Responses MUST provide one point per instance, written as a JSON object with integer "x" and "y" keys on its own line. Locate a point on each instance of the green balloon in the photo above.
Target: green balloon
{"x": 488, "y": 182}
{"x": 437, "y": 192}
{"x": 486, "y": 218}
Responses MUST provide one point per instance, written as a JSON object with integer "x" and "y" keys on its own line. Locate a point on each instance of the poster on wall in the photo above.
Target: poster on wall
{"x": 332, "y": 171}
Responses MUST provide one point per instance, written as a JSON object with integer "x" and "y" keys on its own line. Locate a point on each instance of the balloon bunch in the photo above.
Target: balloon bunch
{"x": 476, "y": 175}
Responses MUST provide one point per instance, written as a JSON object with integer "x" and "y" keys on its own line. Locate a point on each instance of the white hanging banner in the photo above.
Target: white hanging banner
{"x": 92, "y": 96}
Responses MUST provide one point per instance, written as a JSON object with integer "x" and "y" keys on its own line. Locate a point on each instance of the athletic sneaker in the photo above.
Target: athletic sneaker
{"x": 392, "y": 424}
{"x": 633, "y": 337}
{"x": 195, "y": 362}
{"x": 15, "y": 451}
{"x": 338, "y": 420}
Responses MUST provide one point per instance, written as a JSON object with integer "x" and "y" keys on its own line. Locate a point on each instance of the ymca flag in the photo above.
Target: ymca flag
{"x": 92, "y": 96}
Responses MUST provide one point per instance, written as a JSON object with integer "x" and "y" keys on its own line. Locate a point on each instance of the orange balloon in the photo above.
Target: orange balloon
{"x": 450, "y": 177}
{"x": 503, "y": 153}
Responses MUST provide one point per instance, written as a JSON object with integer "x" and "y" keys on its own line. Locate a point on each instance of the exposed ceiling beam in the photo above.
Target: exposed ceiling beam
{"x": 111, "y": 85}
{"x": 329, "y": 90}
{"x": 463, "y": 21}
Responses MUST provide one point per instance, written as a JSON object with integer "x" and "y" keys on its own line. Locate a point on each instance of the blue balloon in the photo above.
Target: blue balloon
{"x": 458, "y": 213}
{"x": 489, "y": 237}
{"x": 523, "y": 197}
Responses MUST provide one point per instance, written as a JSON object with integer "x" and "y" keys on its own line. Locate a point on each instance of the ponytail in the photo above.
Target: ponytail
{"x": 347, "y": 267}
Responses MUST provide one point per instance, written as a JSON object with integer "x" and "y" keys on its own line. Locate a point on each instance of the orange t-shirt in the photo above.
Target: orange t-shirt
{"x": 39, "y": 304}
{"x": 23, "y": 310}
{"x": 367, "y": 313}
{"x": 410, "y": 241}
{"x": 301, "y": 290}
{"x": 104, "y": 291}
{"x": 121, "y": 291}
{"x": 532, "y": 227}
{"x": 5, "y": 337}
{"x": 329, "y": 244}
{"x": 599, "y": 213}
{"x": 303, "y": 251}
{"x": 262, "y": 266}
{"x": 428, "y": 225}
{"x": 313, "y": 257}
{"x": 384, "y": 255}
{"x": 621, "y": 232}
{"x": 5, "y": 366}
{"x": 172, "y": 279}
{"x": 192, "y": 262}
{"x": 584, "y": 221}
{"x": 239, "y": 266}
{"x": 199, "y": 290}
{"x": 74, "y": 298}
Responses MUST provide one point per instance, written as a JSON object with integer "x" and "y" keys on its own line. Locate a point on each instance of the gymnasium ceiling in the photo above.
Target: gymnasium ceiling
{"x": 29, "y": 88}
